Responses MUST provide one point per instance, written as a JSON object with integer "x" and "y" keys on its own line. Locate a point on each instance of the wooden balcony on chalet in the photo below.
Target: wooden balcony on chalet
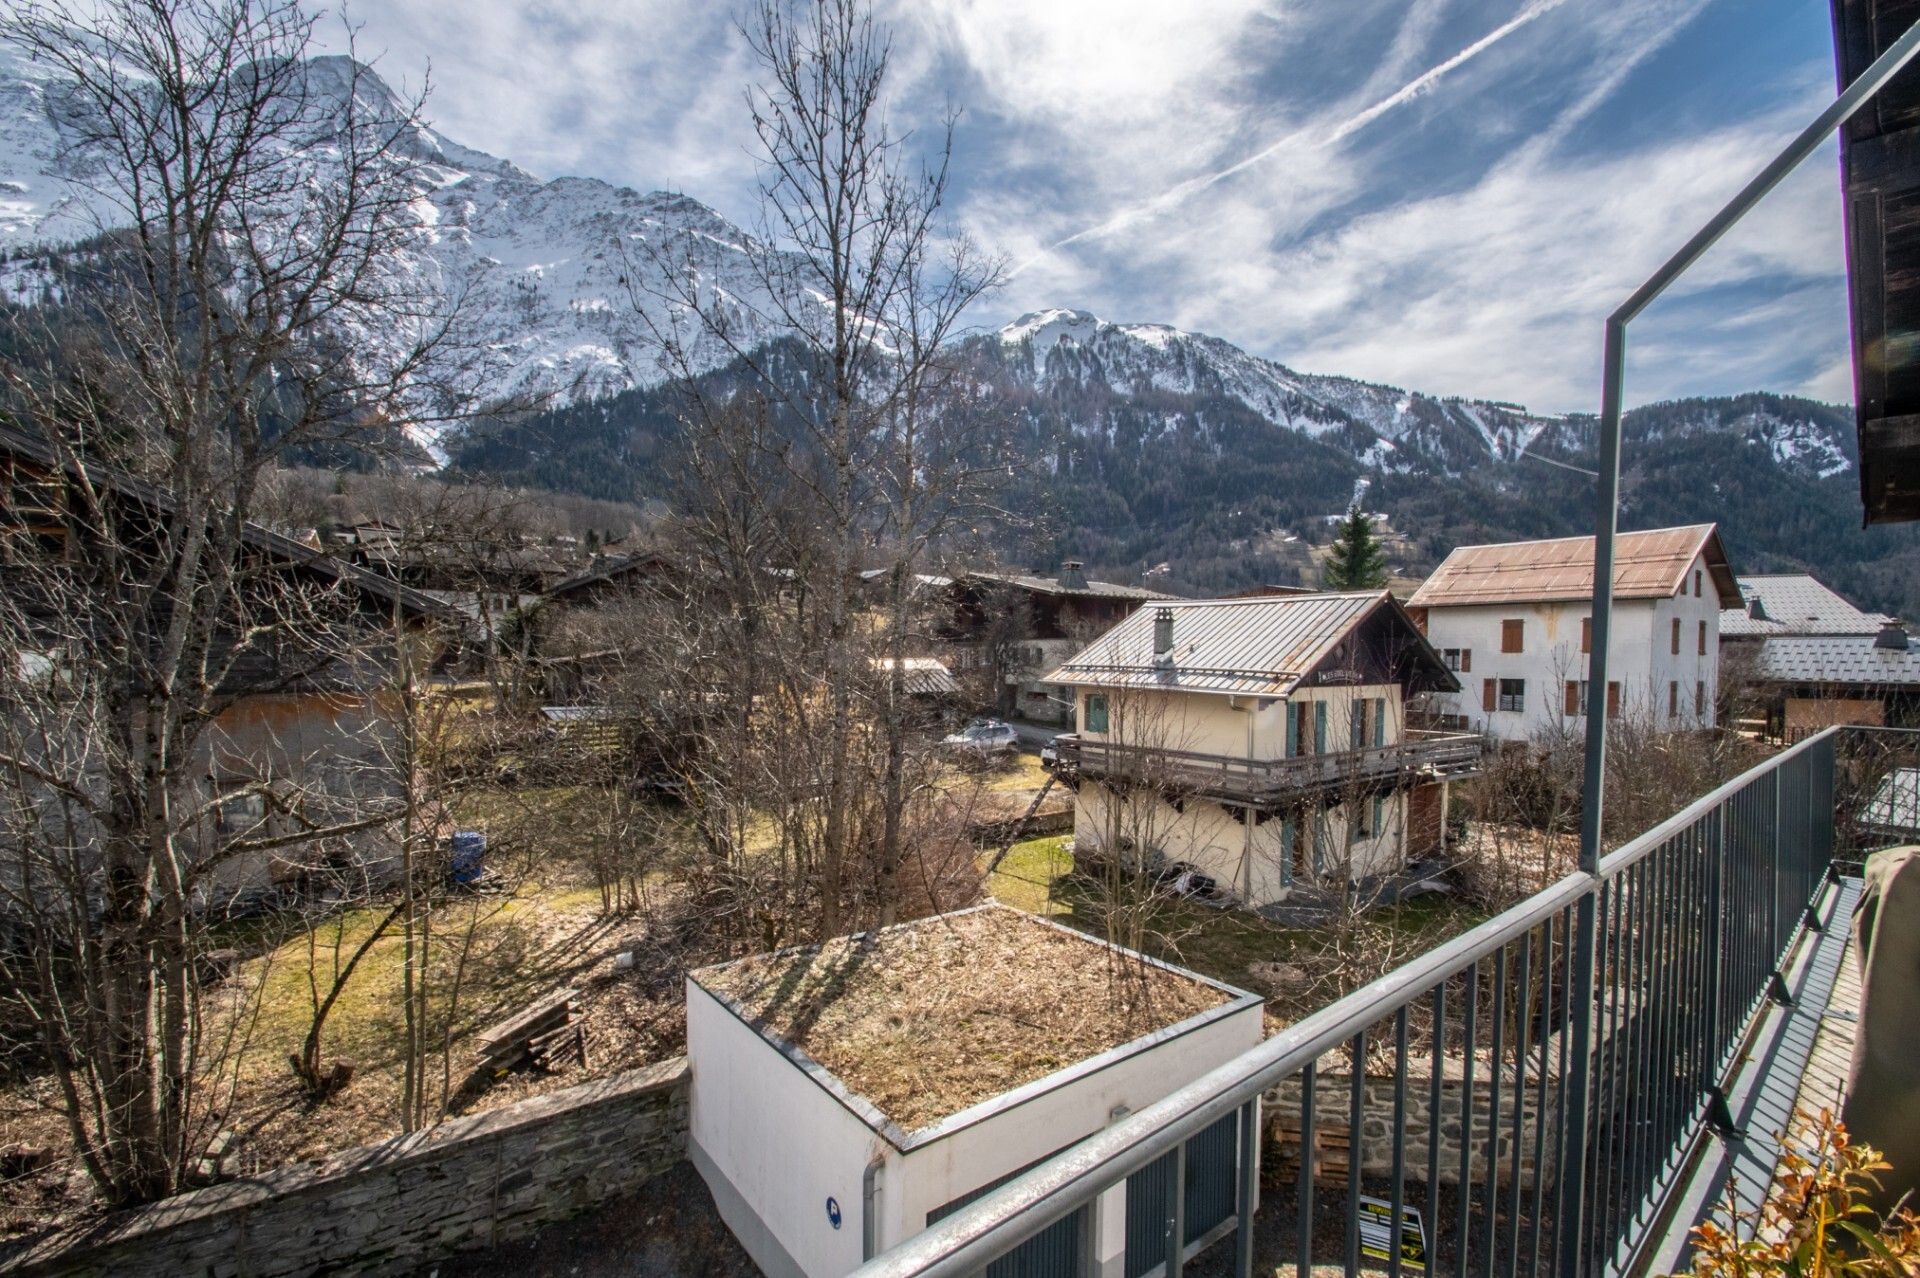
{"x": 1421, "y": 756}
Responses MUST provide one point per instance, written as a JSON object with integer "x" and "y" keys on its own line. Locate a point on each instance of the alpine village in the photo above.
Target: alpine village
{"x": 547, "y": 729}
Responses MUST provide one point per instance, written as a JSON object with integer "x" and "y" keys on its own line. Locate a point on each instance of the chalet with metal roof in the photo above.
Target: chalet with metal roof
{"x": 1514, "y": 622}
{"x": 1261, "y": 743}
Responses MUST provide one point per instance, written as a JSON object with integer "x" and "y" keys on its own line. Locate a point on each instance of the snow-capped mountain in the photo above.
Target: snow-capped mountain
{"x": 565, "y": 287}
{"x": 1055, "y": 347}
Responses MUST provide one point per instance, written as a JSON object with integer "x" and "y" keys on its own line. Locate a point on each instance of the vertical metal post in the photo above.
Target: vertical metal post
{"x": 1249, "y": 1187}
{"x": 1309, "y": 1168}
{"x": 1176, "y": 1211}
{"x": 1606, "y": 522}
{"x": 1592, "y": 804}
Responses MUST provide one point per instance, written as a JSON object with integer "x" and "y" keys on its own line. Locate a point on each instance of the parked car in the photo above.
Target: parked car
{"x": 983, "y": 738}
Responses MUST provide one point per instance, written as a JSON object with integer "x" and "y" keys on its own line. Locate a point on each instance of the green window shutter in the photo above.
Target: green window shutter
{"x": 1379, "y": 815}
{"x": 1319, "y": 727}
{"x": 1379, "y": 721}
{"x": 1356, "y": 724}
{"x": 1293, "y": 735}
{"x": 1096, "y": 713}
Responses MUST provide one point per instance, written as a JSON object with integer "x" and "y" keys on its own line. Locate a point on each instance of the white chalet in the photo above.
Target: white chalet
{"x": 1514, "y": 622}
{"x": 1261, "y": 742}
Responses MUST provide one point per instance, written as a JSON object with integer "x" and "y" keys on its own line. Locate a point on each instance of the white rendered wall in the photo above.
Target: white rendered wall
{"x": 1641, "y": 659}
{"x": 780, "y": 1141}
{"x": 1246, "y": 858}
{"x": 1236, "y": 727}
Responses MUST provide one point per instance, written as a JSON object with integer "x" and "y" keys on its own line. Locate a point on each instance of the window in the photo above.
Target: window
{"x": 1586, "y": 634}
{"x": 1457, "y": 660}
{"x": 1700, "y": 699}
{"x": 1513, "y": 695}
{"x": 1096, "y": 713}
{"x": 1676, "y": 636}
{"x": 1703, "y": 638}
{"x": 1379, "y": 721}
{"x": 1369, "y": 819}
{"x": 1673, "y": 698}
{"x": 1513, "y": 635}
{"x": 1357, "y": 725}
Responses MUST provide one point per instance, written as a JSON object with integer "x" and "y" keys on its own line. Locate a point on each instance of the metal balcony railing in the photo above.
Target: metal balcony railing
{"x": 1441, "y": 1091}
{"x": 1420, "y": 755}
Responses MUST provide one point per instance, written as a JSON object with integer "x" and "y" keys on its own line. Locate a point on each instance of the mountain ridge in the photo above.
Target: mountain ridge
{"x": 1143, "y": 443}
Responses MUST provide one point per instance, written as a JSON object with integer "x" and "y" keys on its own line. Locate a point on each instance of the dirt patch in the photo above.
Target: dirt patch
{"x": 927, "y": 1019}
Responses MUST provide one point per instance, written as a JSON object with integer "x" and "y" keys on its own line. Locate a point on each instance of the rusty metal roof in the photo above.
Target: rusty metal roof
{"x": 1255, "y": 647}
{"x": 1646, "y": 565}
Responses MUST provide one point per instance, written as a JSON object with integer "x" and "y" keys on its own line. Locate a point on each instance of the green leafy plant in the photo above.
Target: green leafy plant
{"x": 1815, "y": 1223}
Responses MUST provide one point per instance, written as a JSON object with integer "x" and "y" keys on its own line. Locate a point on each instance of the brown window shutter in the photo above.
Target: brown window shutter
{"x": 1586, "y": 634}
{"x": 1676, "y": 636}
{"x": 1613, "y": 699}
{"x": 1700, "y": 698}
{"x": 1573, "y": 697}
{"x": 1703, "y": 638}
{"x": 1466, "y": 660}
{"x": 1673, "y": 698}
{"x": 1486, "y": 695}
{"x": 1513, "y": 636}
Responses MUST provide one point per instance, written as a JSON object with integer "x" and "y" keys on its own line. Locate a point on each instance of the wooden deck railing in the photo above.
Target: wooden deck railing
{"x": 1439, "y": 755}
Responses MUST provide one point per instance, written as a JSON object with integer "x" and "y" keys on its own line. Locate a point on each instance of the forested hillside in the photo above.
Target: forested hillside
{"x": 1193, "y": 477}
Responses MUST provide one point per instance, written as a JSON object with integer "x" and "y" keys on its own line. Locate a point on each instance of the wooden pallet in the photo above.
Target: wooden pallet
{"x": 1332, "y": 1150}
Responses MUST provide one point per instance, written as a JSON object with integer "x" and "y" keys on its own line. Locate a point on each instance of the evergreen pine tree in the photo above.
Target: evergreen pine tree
{"x": 1356, "y": 560}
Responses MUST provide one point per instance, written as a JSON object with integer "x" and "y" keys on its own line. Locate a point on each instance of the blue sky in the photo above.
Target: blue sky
{"x": 1447, "y": 195}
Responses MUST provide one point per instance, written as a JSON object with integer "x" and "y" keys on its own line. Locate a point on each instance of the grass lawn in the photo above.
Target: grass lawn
{"x": 1225, "y": 944}
{"x": 1027, "y": 876}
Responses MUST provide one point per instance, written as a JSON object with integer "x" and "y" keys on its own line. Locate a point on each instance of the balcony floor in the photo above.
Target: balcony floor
{"x": 1799, "y": 1056}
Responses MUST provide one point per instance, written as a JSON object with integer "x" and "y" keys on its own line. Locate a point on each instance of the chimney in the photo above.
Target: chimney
{"x": 1892, "y": 636}
{"x": 1073, "y": 575}
{"x": 1162, "y": 634}
{"x": 1757, "y": 610}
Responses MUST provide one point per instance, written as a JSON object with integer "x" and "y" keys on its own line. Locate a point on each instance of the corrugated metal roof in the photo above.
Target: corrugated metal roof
{"x": 1257, "y": 647}
{"x": 1796, "y": 604}
{"x": 921, "y": 676}
{"x": 1838, "y": 659}
{"x": 1052, "y": 586}
{"x": 1646, "y": 565}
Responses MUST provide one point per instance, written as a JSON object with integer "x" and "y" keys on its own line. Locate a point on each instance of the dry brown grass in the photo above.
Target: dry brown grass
{"x": 928, "y": 1019}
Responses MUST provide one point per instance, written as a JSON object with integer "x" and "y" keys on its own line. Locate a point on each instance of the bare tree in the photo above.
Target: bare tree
{"x": 256, "y": 206}
{"x": 854, "y": 405}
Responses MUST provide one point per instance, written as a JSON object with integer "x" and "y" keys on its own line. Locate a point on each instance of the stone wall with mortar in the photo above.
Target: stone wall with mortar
{"x": 1333, "y": 1100}
{"x": 396, "y": 1206}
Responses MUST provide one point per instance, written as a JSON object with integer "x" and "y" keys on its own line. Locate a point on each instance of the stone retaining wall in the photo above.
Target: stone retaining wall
{"x": 395, "y": 1206}
{"x": 1333, "y": 1100}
